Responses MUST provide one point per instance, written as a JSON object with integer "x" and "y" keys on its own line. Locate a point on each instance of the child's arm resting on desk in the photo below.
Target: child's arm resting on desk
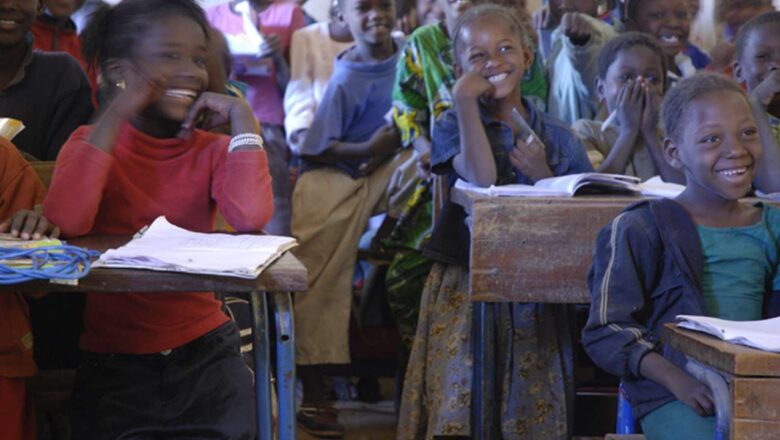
{"x": 77, "y": 185}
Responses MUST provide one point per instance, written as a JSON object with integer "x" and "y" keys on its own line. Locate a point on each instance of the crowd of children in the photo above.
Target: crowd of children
{"x": 157, "y": 107}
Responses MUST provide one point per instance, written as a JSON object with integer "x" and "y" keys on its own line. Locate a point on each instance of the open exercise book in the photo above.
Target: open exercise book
{"x": 568, "y": 186}
{"x": 165, "y": 247}
{"x": 763, "y": 335}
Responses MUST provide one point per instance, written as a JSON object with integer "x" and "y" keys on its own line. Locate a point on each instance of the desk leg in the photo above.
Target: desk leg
{"x": 261, "y": 353}
{"x": 285, "y": 364}
{"x": 483, "y": 380}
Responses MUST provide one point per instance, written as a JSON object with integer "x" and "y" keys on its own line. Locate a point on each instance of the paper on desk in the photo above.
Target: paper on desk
{"x": 567, "y": 186}
{"x": 762, "y": 335}
{"x": 165, "y": 247}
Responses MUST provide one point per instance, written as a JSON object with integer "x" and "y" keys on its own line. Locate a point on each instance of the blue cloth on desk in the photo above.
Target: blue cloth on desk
{"x": 565, "y": 155}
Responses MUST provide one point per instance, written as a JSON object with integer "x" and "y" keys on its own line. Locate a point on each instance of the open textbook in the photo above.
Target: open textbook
{"x": 165, "y": 247}
{"x": 568, "y": 186}
{"x": 763, "y": 335}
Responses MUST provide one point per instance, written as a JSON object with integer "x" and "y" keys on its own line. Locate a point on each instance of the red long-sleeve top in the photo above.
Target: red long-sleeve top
{"x": 94, "y": 192}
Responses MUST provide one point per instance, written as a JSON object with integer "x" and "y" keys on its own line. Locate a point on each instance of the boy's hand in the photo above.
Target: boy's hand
{"x": 271, "y": 46}
{"x": 576, "y": 27}
{"x": 765, "y": 92}
{"x": 385, "y": 141}
{"x": 530, "y": 159}
{"x": 652, "y": 111}
{"x": 472, "y": 86}
{"x": 693, "y": 393}
{"x": 222, "y": 110}
{"x": 29, "y": 225}
{"x": 629, "y": 106}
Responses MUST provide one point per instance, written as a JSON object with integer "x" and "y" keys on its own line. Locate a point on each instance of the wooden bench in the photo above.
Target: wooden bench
{"x": 753, "y": 377}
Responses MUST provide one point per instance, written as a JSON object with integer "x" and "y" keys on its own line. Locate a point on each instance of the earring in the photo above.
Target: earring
{"x": 121, "y": 84}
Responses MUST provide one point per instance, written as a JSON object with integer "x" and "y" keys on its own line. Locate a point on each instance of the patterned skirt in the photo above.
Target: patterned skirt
{"x": 534, "y": 365}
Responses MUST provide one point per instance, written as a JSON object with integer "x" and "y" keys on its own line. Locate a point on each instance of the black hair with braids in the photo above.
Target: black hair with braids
{"x": 113, "y": 31}
{"x": 488, "y": 10}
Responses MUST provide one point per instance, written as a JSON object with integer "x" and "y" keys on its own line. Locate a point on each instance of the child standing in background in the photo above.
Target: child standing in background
{"x": 348, "y": 158}
{"x": 573, "y": 60}
{"x": 276, "y": 21}
{"x": 477, "y": 140}
{"x": 703, "y": 253}
{"x": 55, "y": 31}
{"x": 313, "y": 51}
{"x": 632, "y": 80}
{"x": 159, "y": 365}
{"x": 48, "y": 92}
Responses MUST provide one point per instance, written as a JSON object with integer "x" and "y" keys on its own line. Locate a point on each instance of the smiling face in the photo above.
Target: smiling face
{"x": 177, "y": 49}
{"x": 63, "y": 8}
{"x": 630, "y": 64}
{"x": 667, "y": 20}
{"x": 369, "y": 21}
{"x": 718, "y": 146}
{"x": 16, "y": 19}
{"x": 760, "y": 56}
{"x": 493, "y": 49}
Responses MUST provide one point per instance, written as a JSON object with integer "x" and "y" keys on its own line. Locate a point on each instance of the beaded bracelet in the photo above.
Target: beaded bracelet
{"x": 244, "y": 139}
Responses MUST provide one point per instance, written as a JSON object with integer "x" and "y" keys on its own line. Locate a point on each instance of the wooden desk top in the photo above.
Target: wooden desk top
{"x": 535, "y": 249}
{"x": 730, "y": 358}
{"x": 287, "y": 274}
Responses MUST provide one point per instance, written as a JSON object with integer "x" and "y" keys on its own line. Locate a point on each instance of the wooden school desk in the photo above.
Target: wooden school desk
{"x": 275, "y": 284}
{"x": 753, "y": 377}
{"x": 526, "y": 250}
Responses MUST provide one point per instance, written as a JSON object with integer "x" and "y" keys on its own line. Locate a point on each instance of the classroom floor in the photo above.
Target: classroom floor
{"x": 363, "y": 421}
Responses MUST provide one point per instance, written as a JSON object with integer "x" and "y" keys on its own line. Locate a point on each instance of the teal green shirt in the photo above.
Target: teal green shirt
{"x": 740, "y": 266}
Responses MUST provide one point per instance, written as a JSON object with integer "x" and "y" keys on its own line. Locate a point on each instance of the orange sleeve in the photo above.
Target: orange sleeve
{"x": 20, "y": 187}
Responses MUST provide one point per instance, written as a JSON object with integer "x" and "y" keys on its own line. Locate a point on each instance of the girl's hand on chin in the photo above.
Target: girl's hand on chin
{"x": 221, "y": 110}
{"x": 472, "y": 86}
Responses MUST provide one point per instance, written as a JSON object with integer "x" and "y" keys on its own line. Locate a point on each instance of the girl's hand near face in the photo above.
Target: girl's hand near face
{"x": 629, "y": 107}
{"x": 137, "y": 90}
{"x": 472, "y": 86}
{"x": 140, "y": 89}
{"x": 531, "y": 159}
{"x": 221, "y": 110}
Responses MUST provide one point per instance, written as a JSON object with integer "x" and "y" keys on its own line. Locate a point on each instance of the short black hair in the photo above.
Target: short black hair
{"x": 740, "y": 41}
{"x": 113, "y": 31}
{"x": 624, "y": 42}
{"x": 678, "y": 99}
{"x": 488, "y": 10}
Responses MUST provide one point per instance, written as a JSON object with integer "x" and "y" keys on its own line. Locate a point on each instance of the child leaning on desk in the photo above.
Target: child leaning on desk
{"x": 159, "y": 365}
{"x": 477, "y": 141}
{"x": 20, "y": 190}
{"x": 704, "y": 253}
